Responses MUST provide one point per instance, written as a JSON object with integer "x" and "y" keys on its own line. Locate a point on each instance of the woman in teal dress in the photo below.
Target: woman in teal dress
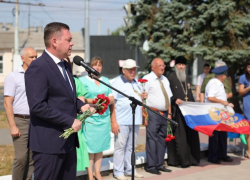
{"x": 82, "y": 153}
{"x": 96, "y": 129}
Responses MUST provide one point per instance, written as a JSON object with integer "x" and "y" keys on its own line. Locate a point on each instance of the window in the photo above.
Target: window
{"x": 1, "y": 64}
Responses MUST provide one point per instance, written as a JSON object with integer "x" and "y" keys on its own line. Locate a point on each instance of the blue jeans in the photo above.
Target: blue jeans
{"x": 123, "y": 150}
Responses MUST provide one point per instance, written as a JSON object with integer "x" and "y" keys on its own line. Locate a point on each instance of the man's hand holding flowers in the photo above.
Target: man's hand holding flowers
{"x": 77, "y": 125}
{"x": 88, "y": 106}
{"x": 144, "y": 95}
{"x": 100, "y": 106}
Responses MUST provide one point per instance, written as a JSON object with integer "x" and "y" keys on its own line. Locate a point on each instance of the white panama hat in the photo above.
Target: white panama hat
{"x": 129, "y": 63}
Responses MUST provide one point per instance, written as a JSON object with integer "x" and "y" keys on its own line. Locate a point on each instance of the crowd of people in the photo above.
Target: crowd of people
{"x": 42, "y": 99}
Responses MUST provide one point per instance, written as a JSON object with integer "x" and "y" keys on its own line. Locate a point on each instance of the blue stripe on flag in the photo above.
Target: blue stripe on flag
{"x": 205, "y": 120}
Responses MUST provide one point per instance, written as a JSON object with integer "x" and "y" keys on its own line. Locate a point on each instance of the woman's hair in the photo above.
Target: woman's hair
{"x": 246, "y": 72}
{"x": 94, "y": 61}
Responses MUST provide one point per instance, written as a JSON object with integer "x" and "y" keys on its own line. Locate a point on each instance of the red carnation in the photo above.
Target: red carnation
{"x": 167, "y": 139}
{"x": 142, "y": 80}
{"x": 107, "y": 100}
{"x": 94, "y": 101}
{"x": 101, "y": 96}
{"x": 105, "y": 107}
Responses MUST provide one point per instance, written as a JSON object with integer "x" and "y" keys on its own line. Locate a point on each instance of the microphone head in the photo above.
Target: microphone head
{"x": 77, "y": 60}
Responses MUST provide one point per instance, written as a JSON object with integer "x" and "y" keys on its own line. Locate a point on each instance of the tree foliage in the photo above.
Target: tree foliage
{"x": 213, "y": 29}
{"x": 119, "y": 31}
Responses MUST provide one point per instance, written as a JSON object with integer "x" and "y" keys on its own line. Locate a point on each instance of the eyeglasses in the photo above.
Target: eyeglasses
{"x": 161, "y": 66}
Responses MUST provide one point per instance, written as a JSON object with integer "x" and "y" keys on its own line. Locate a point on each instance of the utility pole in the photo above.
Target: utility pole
{"x": 99, "y": 26}
{"x": 16, "y": 59}
{"x": 29, "y": 22}
{"x": 130, "y": 8}
{"x": 86, "y": 33}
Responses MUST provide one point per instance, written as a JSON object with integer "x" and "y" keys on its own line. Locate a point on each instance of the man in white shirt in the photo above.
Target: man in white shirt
{"x": 206, "y": 69}
{"x": 159, "y": 94}
{"x": 215, "y": 93}
{"x": 18, "y": 115}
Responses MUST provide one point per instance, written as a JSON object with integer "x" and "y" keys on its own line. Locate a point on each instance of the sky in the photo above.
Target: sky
{"x": 71, "y": 12}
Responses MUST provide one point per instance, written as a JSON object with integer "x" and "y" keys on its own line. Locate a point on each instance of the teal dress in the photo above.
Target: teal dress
{"x": 82, "y": 152}
{"x": 97, "y": 131}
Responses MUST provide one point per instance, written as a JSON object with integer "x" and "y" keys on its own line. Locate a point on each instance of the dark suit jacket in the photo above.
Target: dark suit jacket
{"x": 52, "y": 106}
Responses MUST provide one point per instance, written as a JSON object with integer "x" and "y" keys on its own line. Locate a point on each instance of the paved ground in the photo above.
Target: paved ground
{"x": 238, "y": 169}
{"x": 5, "y": 137}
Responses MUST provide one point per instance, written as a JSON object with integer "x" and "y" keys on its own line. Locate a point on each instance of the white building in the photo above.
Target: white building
{"x": 35, "y": 40}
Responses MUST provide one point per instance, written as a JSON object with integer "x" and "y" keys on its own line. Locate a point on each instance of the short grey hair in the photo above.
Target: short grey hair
{"x": 219, "y": 63}
{"x": 23, "y": 50}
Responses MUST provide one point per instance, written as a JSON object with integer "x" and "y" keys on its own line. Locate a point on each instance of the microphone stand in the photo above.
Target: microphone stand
{"x": 133, "y": 105}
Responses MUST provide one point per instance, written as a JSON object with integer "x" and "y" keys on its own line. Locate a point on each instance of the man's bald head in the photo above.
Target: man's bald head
{"x": 158, "y": 67}
{"x": 28, "y": 54}
{"x": 156, "y": 60}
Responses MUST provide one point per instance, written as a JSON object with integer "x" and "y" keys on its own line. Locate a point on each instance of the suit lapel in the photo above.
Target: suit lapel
{"x": 55, "y": 68}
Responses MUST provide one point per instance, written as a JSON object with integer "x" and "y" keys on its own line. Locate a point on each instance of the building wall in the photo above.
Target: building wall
{"x": 77, "y": 70}
{"x": 111, "y": 49}
{"x": 7, "y": 65}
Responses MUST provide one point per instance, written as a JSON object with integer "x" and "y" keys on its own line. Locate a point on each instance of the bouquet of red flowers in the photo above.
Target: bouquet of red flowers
{"x": 170, "y": 135}
{"x": 101, "y": 102}
{"x": 145, "y": 111}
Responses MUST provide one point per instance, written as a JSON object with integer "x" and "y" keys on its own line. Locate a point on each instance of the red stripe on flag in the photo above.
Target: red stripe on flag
{"x": 241, "y": 127}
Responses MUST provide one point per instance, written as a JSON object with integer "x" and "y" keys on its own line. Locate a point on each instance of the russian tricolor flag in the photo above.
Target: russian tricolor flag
{"x": 207, "y": 117}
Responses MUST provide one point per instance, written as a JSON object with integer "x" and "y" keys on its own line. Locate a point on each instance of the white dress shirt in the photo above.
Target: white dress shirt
{"x": 57, "y": 60}
{"x": 156, "y": 98}
{"x": 215, "y": 88}
{"x": 14, "y": 86}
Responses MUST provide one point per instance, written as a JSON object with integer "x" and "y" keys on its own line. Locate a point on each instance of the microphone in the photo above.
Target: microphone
{"x": 80, "y": 62}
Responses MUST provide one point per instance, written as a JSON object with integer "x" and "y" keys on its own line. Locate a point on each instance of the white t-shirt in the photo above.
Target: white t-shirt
{"x": 200, "y": 79}
{"x": 215, "y": 88}
{"x": 156, "y": 98}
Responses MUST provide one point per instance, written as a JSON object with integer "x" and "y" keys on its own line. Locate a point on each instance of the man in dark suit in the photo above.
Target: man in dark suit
{"x": 51, "y": 95}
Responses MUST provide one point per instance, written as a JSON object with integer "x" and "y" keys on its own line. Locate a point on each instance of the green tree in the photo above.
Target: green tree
{"x": 212, "y": 29}
{"x": 118, "y": 31}
{"x": 165, "y": 24}
{"x": 221, "y": 30}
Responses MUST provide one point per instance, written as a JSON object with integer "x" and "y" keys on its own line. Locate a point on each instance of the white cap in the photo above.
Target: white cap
{"x": 129, "y": 63}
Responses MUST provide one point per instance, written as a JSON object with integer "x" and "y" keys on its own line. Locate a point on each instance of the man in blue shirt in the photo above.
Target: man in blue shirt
{"x": 127, "y": 84}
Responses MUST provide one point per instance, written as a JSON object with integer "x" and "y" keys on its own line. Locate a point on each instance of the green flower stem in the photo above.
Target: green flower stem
{"x": 169, "y": 129}
{"x": 146, "y": 110}
{"x": 82, "y": 118}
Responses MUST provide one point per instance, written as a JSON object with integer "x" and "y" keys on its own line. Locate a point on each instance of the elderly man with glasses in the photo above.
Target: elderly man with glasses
{"x": 127, "y": 84}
